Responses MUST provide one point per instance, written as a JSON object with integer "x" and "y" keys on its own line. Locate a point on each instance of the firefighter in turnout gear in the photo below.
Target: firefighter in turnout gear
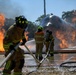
{"x": 49, "y": 42}
{"x": 13, "y": 36}
{"x": 39, "y": 39}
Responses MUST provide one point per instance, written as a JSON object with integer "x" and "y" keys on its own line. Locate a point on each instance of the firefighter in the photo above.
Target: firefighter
{"x": 49, "y": 42}
{"x": 13, "y": 36}
{"x": 39, "y": 39}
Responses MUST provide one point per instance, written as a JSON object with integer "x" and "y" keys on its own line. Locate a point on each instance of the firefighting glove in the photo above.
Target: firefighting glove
{"x": 12, "y": 47}
{"x": 23, "y": 41}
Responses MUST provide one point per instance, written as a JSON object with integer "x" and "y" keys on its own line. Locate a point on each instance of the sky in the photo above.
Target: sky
{"x": 32, "y": 9}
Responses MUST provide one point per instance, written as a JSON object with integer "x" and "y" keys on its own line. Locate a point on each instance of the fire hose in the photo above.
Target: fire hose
{"x": 8, "y": 56}
{"x": 31, "y": 53}
{"x": 41, "y": 60}
{"x": 12, "y": 51}
{"x": 69, "y": 64}
{"x": 39, "y": 63}
{"x": 64, "y": 64}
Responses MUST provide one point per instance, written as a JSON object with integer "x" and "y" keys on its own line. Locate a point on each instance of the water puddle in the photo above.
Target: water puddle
{"x": 50, "y": 66}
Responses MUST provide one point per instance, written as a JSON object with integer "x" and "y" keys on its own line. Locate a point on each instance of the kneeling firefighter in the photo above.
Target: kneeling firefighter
{"x": 13, "y": 36}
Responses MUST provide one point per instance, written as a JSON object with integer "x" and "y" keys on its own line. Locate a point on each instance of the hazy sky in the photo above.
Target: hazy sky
{"x": 33, "y": 9}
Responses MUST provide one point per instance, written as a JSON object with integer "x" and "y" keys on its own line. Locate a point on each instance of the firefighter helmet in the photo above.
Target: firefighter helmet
{"x": 48, "y": 31}
{"x": 21, "y": 21}
{"x": 40, "y": 28}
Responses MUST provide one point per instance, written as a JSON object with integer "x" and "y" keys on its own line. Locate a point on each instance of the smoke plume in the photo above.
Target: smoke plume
{"x": 10, "y": 8}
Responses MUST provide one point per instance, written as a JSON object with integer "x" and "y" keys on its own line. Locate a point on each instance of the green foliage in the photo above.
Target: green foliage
{"x": 32, "y": 28}
{"x": 39, "y": 19}
{"x": 69, "y": 15}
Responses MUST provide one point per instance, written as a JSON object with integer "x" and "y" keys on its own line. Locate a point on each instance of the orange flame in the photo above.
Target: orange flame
{"x": 26, "y": 35}
{"x": 63, "y": 41}
{"x": 73, "y": 37}
{"x": 74, "y": 20}
{"x": 2, "y": 20}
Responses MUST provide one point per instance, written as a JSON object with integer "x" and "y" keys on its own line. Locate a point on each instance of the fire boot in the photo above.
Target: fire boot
{"x": 36, "y": 56}
{"x": 52, "y": 54}
{"x": 40, "y": 57}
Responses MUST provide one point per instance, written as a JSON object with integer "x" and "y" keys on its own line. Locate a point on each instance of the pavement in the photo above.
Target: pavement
{"x": 51, "y": 65}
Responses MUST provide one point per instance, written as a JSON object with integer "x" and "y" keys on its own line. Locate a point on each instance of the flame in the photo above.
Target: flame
{"x": 74, "y": 20}
{"x": 1, "y": 41}
{"x": 73, "y": 37}
{"x": 63, "y": 57}
{"x": 26, "y": 35}
{"x": 2, "y": 20}
{"x": 30, "y": 46}
{"x": 66, "y": 38}
{"x": 63, "y": 41}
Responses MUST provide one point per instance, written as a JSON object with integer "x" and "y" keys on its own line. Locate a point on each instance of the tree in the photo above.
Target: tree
{"x": 39, "y": 19}
{"x": 32, "y": 28}
{"x": 68, "y": 15}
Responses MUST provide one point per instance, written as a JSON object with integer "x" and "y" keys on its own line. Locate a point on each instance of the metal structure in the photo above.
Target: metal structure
{"x": 44, "y": 7}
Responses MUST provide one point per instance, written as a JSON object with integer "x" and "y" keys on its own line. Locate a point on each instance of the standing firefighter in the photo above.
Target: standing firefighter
{"x": 13, "y": 36}
{"x": 39, "y": 39}
{"x": 49, "y": 42}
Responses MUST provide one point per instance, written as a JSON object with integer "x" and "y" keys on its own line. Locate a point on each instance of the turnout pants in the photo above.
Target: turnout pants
{"x": 15, "y": 63}
{"x": 39, "y": 48}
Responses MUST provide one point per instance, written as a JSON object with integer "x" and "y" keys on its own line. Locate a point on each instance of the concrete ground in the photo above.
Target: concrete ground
{"x": 49, "y": 66}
